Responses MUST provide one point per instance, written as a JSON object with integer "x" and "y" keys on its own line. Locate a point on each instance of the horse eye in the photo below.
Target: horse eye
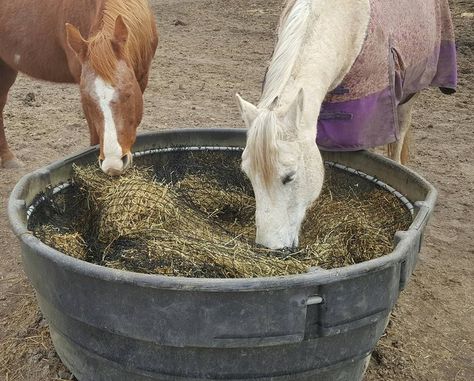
{"x": 288, "y": 178}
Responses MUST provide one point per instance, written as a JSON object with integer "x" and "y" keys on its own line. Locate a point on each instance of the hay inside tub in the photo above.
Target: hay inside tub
{"x": 193, "y": 215}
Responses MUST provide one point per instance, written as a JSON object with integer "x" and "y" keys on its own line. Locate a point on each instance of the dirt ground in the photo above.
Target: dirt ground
{"x": 208, "y": 51}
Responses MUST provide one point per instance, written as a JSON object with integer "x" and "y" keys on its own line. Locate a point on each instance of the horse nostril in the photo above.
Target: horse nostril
{"x": 126, "y": 160}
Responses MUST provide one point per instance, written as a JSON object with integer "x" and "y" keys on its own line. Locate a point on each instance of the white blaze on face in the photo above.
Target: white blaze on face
{"x": 112, "y": 163}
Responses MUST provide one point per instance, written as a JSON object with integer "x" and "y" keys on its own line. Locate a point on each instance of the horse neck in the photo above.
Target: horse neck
{"x": 333, "y": 38}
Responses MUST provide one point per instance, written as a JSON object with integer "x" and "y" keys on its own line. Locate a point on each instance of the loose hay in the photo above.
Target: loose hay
{"x": 198, "y": 221}
{"x": 232, "y": 208}
{"x": 71, "y": 243}
{"x": 194, "y": 256}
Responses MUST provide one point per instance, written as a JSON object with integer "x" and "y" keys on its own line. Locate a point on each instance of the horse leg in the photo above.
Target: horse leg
{"x": 7, "y": 79}
{"x": 400, "y": 150}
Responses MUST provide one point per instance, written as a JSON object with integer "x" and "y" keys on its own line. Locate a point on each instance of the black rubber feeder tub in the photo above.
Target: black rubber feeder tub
{"x": 116, "y": 325}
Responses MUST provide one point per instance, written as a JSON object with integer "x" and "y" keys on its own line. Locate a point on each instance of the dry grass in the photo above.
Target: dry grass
{"x": 196, "y": 227}
{"x": 71, "y": 243}
{"x": 28, "y": 345}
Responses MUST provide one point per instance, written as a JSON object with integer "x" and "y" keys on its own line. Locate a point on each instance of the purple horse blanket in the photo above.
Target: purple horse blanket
{"x": 409, "y": 46}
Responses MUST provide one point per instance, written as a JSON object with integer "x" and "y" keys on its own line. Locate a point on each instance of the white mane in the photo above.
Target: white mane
{"x": 291, "y": 34}
{"x": 263, "y": 136}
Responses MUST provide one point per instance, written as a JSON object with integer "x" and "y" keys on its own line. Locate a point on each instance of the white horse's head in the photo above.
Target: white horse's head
{"x": 285, "y": 168}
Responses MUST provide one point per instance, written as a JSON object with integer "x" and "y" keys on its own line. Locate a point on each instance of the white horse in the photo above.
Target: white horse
{"x": 318, "y": 43}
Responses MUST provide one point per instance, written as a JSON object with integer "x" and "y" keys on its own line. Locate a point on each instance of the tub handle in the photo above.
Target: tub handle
{"x": 315, "y": 299}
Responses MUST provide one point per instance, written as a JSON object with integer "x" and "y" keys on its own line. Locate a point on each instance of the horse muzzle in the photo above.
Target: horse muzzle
{"x": 114, "y": 166}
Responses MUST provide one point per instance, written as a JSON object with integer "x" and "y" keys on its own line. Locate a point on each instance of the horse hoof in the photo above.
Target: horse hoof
{"x": 12, "y": 164}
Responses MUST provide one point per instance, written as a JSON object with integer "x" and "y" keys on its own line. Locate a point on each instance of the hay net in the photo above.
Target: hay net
{"x": 191, "y": 213}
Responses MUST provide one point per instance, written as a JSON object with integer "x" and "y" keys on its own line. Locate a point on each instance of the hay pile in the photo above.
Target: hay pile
{"x": 199, "y": 226}
{"x": 148, "y": 226}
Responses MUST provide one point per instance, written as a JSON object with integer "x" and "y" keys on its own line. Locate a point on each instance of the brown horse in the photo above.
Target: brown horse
{"x": 106, "y": 46}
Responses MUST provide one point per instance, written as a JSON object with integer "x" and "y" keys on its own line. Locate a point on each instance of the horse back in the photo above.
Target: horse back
{"x": 409, "y": 46}
{"x": 32, "y": 39}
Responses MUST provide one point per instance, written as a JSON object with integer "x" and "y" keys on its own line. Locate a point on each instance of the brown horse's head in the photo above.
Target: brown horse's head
{"x": 111, "y": 95}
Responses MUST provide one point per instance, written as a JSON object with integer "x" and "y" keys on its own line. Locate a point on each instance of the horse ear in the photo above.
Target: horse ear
{"x": 120, "y": 35}
{"x": 295, "y": 111}
{"x": 248, "y": 111}
{"x": 76, "y": 42}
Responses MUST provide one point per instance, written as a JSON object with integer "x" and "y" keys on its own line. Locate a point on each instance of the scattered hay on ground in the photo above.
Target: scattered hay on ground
{"x": 26, "y": 350}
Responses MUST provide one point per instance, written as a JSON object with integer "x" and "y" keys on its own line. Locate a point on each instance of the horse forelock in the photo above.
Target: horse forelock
{"x": 262, "y": 146}
{"x": 139, "y": 47}
{"x": 102, "y": 57}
